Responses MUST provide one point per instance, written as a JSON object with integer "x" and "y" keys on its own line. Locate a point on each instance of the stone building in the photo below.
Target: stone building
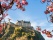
{"x": 24, "y": 23}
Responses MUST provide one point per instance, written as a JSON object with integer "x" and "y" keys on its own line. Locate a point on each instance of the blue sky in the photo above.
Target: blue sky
{"x": 34, "y": 13}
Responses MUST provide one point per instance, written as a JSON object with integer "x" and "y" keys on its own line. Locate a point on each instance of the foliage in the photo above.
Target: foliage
{"x": 21, "y": 33}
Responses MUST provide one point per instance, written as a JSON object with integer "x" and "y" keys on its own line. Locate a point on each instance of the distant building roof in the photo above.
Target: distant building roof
{"x": 24, "y": 21}
{"x": 19, "y": 21}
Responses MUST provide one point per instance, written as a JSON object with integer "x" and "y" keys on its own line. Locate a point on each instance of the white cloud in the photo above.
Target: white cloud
{"x": 51, "y": 25}
{"x": 50, "y": 28}
{"x": 6, "y": 19}
{"x": 34, "y": 24}
{"x": 42, "y": 23}
{"x": 46, "y": 38}
{"x": 24, "y": 17}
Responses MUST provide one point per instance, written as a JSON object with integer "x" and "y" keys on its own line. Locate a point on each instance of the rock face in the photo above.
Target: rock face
{"x": 15, "y": 32}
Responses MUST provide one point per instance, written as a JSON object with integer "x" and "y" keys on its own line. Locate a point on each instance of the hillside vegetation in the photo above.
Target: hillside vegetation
{"x": 15, "y": 32}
